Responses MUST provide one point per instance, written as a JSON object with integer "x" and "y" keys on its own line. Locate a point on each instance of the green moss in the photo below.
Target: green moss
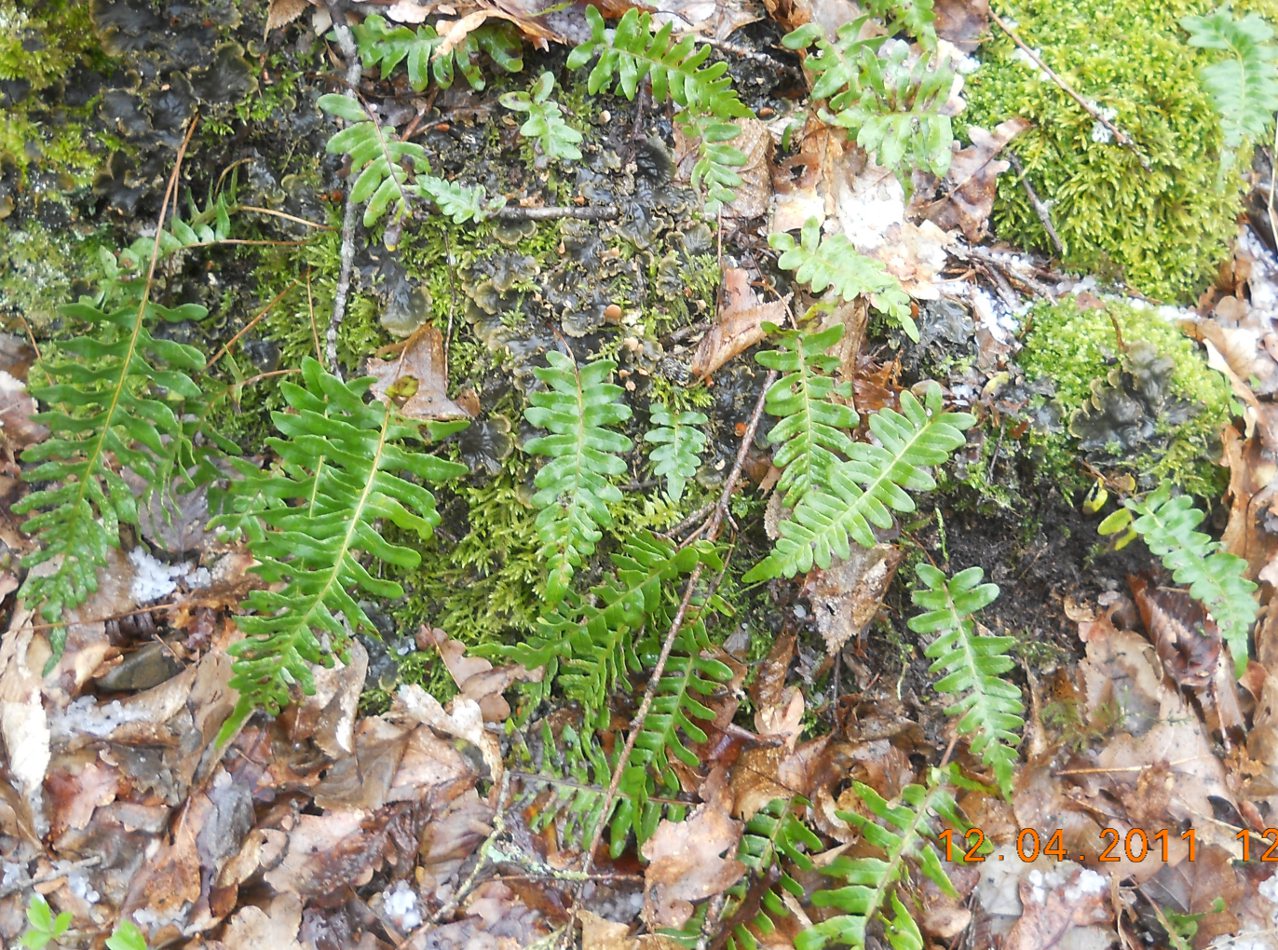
{"x": 43, "y": 270}
{"x": 1163, "y": 229}
{"x": 1072, "y": 348}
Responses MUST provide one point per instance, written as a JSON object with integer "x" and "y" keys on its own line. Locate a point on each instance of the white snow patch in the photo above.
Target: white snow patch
{"x": 85, "y": 717}
{"x": 401, "y": 905}
{"x": 154, "y": 579}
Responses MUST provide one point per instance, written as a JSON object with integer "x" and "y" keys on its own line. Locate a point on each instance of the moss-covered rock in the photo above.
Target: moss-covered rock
{"x": 1146, "y": 404}
{"x": 1162, "y": 229}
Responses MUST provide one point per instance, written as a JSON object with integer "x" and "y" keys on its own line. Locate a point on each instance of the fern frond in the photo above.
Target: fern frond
{"x": 902, "y": 834}
{"x": 864, "y": 490}
{"x": 1243, "y": 87}
{"x": 545, "y": 123}
{"x": 775, "y": 842}
{"x": 588, "y": 643}
{"x": 678, "y": 72}
{"x": 458, "y": 203}
{"x": 814, "y": 431}
{"x": 383, "y": 166}
{"x": 915, "y": 17}
{"x": 989, "y": 707}
{"x": 574, "y": 487}
{"x": 1217, "y": 579}
{"x": 679, "y": 441}
{"x": 385, "y": 47}
{"x": 343, "y": 466}
{"x": 112, "y": 396}
{"x": 833, "y": 261}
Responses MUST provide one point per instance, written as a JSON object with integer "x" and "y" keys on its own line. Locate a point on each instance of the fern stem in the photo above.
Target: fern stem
{"x": 712, "y": 532}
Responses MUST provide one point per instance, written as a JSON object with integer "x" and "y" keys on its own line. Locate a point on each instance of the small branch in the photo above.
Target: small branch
{"x": 1121, "y": 137}
{"x": 346, "y": 44}
{"x": 587, "y": 213}
{"x": 712, "y": 533}
{"x": 1040, "y": 209}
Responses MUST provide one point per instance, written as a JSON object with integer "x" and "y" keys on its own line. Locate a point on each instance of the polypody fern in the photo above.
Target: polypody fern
{"x": 863, "y": 491}
{"x": 426, "y": 56}
{"x": 344, "y": 465}
{"x": 574, "y": 488}
{"x": 1244, "y": 86}
{"x": 989, "y": 708}
{"x": 679, "y": 440}
{"x": 383, "y": 166}
{"x": 833, "y": 261}
{"x": 545, "y": 124}
{"x": 1216, "y": 578}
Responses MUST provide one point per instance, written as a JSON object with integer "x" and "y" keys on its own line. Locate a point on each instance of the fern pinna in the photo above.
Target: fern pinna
{"x": 343, "y": 465}
{"x": 677, "y": 70}
{"x": 1217, "y": 579}
{"x": 989, "y": 708}
{"x": 574, "y": 488}
{"x": 1244, "y": 86}
{"x": 423, "y": 52}
{"x": 113, "y": 396}
{"x": 862, "y": 491}
{"x": 901, "y": 836}
{"x": 545, "y": 123}
{"x": 832, "y": 261}
{"x": 815, "y": 412}
{"x": 775, "y": 843}
{"x": 679, "y": 440}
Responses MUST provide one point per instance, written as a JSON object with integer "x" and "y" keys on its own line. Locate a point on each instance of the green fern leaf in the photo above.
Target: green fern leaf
{"x": 775, "y": 842}
{"x": 342, "y": 469}
{"x": 989, "y": 708}
{"x": 377, "y": 159}
{"x": 916, "y": 17}
{"x": 574, "y": 486}
{"x": 902, "y": 834}
{"x": 114, "y": 393}
{"x": 1216, "y": 578}
{"x": 545, "y": 123}
{"x": 678, "y": 72}
{"x": 864, "y": 490}
{"x": 384, "y": 47}
{"x": 1244, "y": 87}
{"x": 459, "y": 203}
{"x": 813, "y": 433}
{"x": 679, "y": 441}
{"x": 834, "y": 262}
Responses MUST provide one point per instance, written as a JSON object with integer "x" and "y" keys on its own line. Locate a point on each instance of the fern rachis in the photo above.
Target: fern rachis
{"x": 989, "y": 708}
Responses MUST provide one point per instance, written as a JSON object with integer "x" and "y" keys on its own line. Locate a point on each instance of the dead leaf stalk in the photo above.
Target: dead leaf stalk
{"x": 1040, "y": 209}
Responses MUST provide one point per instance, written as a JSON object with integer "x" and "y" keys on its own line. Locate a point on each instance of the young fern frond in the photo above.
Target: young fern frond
{"x": 383, "y": 166}
{"x": 1244, "y": 86}
{"x": 864, "y": 490}
{"x": 678, "y": 72}
{"x": 588, "y": 643}
{"x": 902, "y": 834}
{"x": 833, "y": 261}
{"x": 814, "y": 428}
{"x": 892, "y": 108}
{"x": 915, "y": 17}
{"x": 574, "y": 488}
{"x": 385, "y": 47}
{"x": 775, "y": 842}
{"x": 344, "y": 465}
{"x": 458, "y": 203}
{"x": 679, "y": 441}
{"x": 113, "y": 396}
{"x": 545, "y": 124}
{"x": 989, "y": 708}
{"x": 1217, "y": 579}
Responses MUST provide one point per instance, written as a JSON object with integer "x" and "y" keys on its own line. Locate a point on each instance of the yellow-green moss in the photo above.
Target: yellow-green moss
{"x": 1071, "y": 348}
{"x": 1163, "y": 229}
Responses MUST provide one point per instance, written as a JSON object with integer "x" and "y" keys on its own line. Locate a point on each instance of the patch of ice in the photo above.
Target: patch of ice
{"x": 401, "y": 906}
{"x": 1087, "y": 882}
{"x": 84, "y": 717}
{"x": 154, "y": 579}
{"x": 1100, "y": 131}
{"x": 78, "y": 884}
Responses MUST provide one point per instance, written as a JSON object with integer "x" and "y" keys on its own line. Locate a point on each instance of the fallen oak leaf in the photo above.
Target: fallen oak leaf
{"x": 739, "y": 325}
{"x": 476, "y": 677}
{"x": 968, "y": 189}
{"x": 690, "y": 861}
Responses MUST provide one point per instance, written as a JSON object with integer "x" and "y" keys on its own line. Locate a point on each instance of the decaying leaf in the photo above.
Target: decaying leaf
{"x": 1184, "y": 636}
{"x": 846, "y": 597}
{"x": 283, "y": 12}
{"x": 416, "y": 380}
{"x": 962, "y": 22}
{"x": 966, "y": 194}
{"x": 476, "y": 677}
{"x": 690, "y": 861}
{"x": 739, "y": 324}
{"x": 778, "y": 709}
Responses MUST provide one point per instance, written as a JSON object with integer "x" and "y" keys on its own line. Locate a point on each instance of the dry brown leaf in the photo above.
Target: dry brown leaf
{"x": 717, "y": 19}
{"x": 416, "y": 380}
{"x": 283, "y": 12}
{"x": 1055, "y": 901}
{"x": 476, "y": 677}
{"x": 274, "y": 926}
{"x": 739, "y": 324}
{"x": 778, "y": 709}
{"x": 846, "y": 597}
{"x": 968, "y": 189}
{"x": 1186, "y": 640}
{"x": 327, "y": 716}
{"x": 754, "y": 194}
{"x": 16, "y": 410}
{"x": 690, "y": 861}
{"x": 24, "y": 724}
{"x": 463, "y": 720}
{"x": 963, "y": 22}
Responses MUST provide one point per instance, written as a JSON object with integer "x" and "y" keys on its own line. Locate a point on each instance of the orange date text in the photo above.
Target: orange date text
{"x": 1112, "y": 846}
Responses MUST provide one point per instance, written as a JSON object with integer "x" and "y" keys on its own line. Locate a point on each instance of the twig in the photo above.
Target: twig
{"x": 711, "y": 532}
{"x": 550, "y": 213}
{"x": 226, "y": 347}
{"x": 1040, "y": 209}
{"x": 345, "y": 43}
{"x": 1120, "y": 136}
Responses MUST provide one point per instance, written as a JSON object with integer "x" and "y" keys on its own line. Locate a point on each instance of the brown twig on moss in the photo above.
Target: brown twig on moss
{"x": 1040, "y": 209}
{"x": 1121, "y": 137}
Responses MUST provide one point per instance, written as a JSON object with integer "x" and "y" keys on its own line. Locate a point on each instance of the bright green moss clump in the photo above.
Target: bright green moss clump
{"x": 1164, "y": 229}
{"x": 1150, "y": 407}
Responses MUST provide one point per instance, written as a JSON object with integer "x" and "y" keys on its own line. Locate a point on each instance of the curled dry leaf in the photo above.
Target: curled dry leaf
{"x": 739, "y": 324}
{"x": 476, "y": 677}
{"x": 966, "y": 194}
{"x": 1186, "y": 640}
{"x": 778, "y": 709}
{"x": 416, "y": 381}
